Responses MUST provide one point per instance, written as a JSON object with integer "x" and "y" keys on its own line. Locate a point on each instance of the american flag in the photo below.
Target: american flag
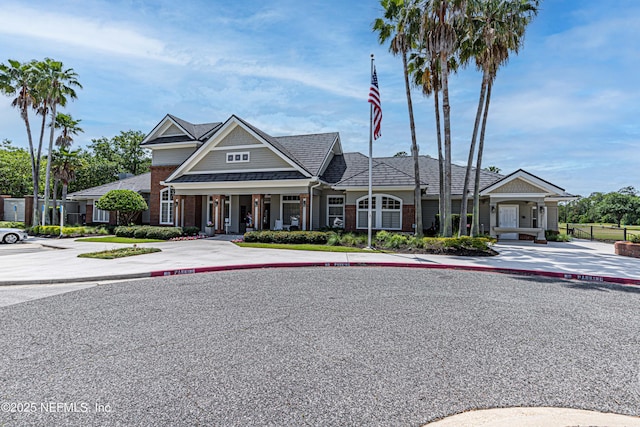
{"x": 374, "y": 99}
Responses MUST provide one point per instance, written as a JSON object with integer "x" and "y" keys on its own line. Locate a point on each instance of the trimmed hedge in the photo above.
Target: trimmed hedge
{"x": 148, "y": 232}
{"x": 54, "y": 230}
{"x": 297, "y": 237}
{"x": 11, "y": 224}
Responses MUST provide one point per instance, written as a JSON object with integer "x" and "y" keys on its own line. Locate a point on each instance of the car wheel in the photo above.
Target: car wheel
{"x": 10, "y": 238}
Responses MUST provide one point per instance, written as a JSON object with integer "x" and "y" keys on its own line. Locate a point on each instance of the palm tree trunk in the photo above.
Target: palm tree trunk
{"x": 436, "y": 100}
{"x": 50, "y": 152}
{"x": 446, "y": 111}
{"x": 65, "y": 187}
{"x": 54, "y": 216}
{"x": 417, "y": 193}
{"x": 476, "y": 189}
{"x": 35, "y": 170}
{"x": 472, "y": 148}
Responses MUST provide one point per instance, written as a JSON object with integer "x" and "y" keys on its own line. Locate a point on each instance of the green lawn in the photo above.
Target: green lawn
{"x": 114, "y": 239}
{"x": 302, "y": 247}
{"x": 608, "y": 232}
{"x": 119, "y": 253}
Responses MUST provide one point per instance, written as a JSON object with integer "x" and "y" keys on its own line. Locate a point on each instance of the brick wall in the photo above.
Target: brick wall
{"x": 158, "y": 173}
{"x": 627, "y": 249}
{"x": 408, "y": 217}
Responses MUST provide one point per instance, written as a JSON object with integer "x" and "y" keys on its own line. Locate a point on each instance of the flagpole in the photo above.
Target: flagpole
{"x": 369, "y": 210}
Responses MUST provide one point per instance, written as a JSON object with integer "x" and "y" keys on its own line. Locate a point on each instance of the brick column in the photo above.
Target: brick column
{"x": 350, "y": 217}
{"x": 28, "y": 211}
{"x": 2, "y": 197}
{"x": 304, "y": 212}
{"x": 257, "y": 211}
{"x": 158, "y": 173}
{"x": 408, "y": 218}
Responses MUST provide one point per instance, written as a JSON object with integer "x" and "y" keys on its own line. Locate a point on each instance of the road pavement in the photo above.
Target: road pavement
{"x": 320, "y": 346}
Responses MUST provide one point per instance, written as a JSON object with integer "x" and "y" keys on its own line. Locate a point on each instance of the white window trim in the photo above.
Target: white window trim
{"x": 378, "y": 211}
{"x": 235, "y": 154}
{"x": 99, "y": 215}
{"x": 169, "y": 202}
{"x": 329, "y": 223}
{"x": 287, "y": 221}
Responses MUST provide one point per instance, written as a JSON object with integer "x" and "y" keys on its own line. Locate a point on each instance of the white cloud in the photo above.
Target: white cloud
{"x": 117, "y": 38}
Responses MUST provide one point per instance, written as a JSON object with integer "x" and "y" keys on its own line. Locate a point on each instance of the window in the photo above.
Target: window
{"x": 335, "y": 211}
{"x": 237, "y": 157}
{"x": 99, "y": 215}
{"x": 386, "y": 212}
{"x": 166, "y": 206}
{"x": 534, "y": 217}
{"x": 291, "y": 210}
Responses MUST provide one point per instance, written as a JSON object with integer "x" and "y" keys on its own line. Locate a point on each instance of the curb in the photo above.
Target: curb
{"x": 177, "y": 272}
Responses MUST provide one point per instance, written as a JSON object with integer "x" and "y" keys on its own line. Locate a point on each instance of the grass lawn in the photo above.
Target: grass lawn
{"x": 119, "y": 253}
{"x": 302, "y": 247}
{"x": 114, "y": 239}
{"x": 601, "y": 231}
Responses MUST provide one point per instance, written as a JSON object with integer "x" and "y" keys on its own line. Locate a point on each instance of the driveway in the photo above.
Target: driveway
{"x": 322, "y": 346}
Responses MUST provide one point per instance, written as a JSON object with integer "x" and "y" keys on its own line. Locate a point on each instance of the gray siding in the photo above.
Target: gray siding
{"x": 552, "y": 215}
{"x": 172, "y": 130}
{"x": 260, "y": 158}
{"x": 238, "y": 136}
{"x": 518, "y": 186}
{"x": 169, "y": 157}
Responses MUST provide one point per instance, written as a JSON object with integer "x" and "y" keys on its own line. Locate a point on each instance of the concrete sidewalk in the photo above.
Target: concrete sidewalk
{"x": 56, "y": 260}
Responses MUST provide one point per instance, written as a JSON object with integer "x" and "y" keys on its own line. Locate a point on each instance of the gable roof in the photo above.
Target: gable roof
{"x": 310, "y": 151}
{"x": 139, "y": 183}
{"x": 193, "y": 132}
{"x": 545, "y": 186}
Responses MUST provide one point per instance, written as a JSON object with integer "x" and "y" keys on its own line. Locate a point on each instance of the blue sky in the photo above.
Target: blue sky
{"x": 566, "y": 108}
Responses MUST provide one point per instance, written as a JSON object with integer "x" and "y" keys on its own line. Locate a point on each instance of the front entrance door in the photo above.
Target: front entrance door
{"x": 508, "y": 218}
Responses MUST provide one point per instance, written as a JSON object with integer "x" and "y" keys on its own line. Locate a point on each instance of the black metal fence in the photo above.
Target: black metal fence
{"x": 600, "y": 232}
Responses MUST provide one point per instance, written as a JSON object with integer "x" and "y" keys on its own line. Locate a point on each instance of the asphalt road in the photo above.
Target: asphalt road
{"x": 324, "y": 346}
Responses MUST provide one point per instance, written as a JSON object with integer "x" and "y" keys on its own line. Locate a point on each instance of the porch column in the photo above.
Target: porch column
{"x": 304, "y": 211}
{"x": 257, "y": 207}
{"x": 218, "y": 213}
{"x": 542, "y": 213}
{"x": 493, "y": 213}
{"x": 177, "y": 211}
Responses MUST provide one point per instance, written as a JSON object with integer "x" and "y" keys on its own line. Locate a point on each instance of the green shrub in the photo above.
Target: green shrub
{"x": 124, "y": 231}
{"x": 555, "y": 236}
{"x": 163, "y": 233}
{"x": 396, "y": 241}
{"x": 334, "y": 240}
{"x": 11, "y": 224}
{"x": 140, "y": 232}
{"x": 190, "y": 231}
{"x": 148, "y": 232}
{"x": 294, "y": 237}
{"x": 634, "y": 238}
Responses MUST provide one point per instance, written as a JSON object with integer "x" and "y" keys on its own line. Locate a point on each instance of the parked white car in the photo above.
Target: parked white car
{"x": 12, "y": 235}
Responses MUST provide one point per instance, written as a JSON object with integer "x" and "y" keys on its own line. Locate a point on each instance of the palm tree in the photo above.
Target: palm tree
{"x": 20, "y": 80}
{"x": 495, "y": 28}
{"x": 69, "y": 128}
{"x": 400, "y": 24}
{"x": 65, "y": 163}
{"x": 55, "y": 86}
{"x": 440, "y": 21}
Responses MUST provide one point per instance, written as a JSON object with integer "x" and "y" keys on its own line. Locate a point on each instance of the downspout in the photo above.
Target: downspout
{"x": 311, "y": 188}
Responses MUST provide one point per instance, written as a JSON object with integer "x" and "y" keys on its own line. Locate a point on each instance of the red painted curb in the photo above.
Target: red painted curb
{"x": 570, "y": 276}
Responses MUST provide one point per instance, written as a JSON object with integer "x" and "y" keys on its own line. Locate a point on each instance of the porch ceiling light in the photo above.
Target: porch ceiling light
{"x": 255, "y": 203}
{"x": 493, "y": 209}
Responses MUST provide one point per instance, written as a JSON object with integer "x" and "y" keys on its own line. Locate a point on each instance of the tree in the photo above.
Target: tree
{"x": 493, "y": 169}
{"x": 124, "y": 150}
{"x": 401, "y": 25}
{"x": 492, "y": 30}
{"x": 617, "y": 205}
{"x": 19, "y": 80}
{"x": 65, "y": 164}
{"x": 440, "y": 21}
{"x": 127, "y": 203}
{"x": 69, "y": 128}
{"x": 15, "y": 171}
{"x": 55, "y": 85}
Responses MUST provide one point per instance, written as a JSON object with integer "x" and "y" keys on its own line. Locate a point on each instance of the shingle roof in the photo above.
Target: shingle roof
{"x": 239, "y": 176}
{"x": 309, "y": 150}
{"x": 138, "y": 183}
{"x": 196, "y": 132}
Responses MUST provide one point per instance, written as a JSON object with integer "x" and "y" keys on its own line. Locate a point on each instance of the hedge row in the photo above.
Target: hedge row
{"x": 299, "y": 237}
{"x": 148, "y": 232}
{"x": 11, "y": 224}
{"x": 54, "y": 230}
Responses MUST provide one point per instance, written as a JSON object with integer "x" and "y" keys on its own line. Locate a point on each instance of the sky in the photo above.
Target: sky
{"x": 566, "y": 108}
